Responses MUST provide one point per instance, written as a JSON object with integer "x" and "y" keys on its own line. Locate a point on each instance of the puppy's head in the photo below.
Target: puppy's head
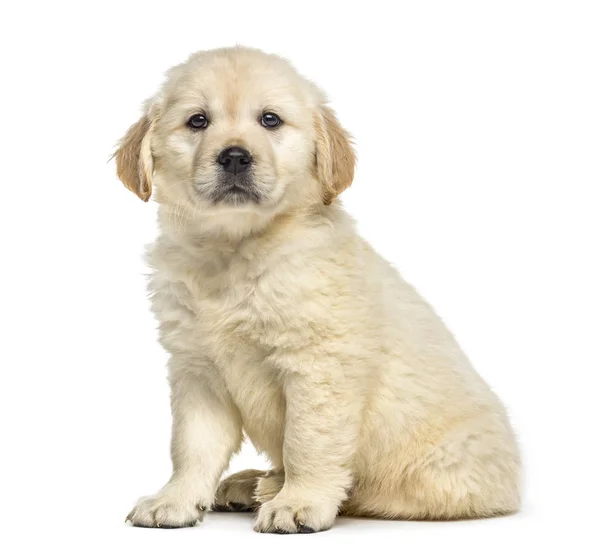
{"x": 235, "y": 132}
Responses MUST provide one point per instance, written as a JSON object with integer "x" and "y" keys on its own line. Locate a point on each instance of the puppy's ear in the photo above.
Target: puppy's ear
{"x": 134, "y": 159}
{"x": 335, "y": 158}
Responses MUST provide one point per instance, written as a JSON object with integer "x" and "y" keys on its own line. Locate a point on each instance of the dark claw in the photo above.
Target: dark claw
{"x": 302, "y": 529}
{"x": 242, "y": 508}
{"x": 233, "y": 507}
{"x": 220, "y": 509}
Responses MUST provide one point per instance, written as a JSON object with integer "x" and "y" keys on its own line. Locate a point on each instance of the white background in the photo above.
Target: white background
{"x": 478, "y": 131}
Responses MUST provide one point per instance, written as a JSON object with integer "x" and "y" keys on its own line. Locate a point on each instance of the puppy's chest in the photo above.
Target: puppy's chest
{"x": 238, "y": 310}
{"x": 232, "y": 306}
{"x": 233, "y": 323}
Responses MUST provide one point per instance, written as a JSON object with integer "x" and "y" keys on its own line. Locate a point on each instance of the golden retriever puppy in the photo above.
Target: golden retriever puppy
{"x": 283, "y": 323}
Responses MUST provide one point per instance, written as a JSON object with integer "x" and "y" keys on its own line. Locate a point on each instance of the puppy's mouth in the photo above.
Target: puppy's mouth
{"x": 235, "y": 190}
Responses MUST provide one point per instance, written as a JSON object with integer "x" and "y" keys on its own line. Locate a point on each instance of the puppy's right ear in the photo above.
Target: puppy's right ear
{"x": 134, "y": 159}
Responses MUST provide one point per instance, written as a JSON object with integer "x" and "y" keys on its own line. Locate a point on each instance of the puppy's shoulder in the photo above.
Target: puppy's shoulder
{"x": 310, "y": 254}
{"x": 314, "y": 233}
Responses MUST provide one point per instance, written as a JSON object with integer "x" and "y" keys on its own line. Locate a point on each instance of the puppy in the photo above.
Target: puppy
{"x": 281, "y": 322}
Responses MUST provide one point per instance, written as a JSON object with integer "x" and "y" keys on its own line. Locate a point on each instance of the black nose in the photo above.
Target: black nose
{"x": 235, "y": 159}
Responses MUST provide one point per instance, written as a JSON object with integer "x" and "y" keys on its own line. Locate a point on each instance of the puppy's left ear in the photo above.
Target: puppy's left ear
{"x": 335, "y": 158}
{"x": 134, "y": 159}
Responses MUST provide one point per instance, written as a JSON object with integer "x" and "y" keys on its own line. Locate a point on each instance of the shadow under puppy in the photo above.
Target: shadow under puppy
{"x": 282, "y": 322}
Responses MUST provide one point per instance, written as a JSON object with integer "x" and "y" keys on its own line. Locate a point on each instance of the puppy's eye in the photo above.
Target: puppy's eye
{"x": 197, "y": 121}
{"x": 270, "y": 120}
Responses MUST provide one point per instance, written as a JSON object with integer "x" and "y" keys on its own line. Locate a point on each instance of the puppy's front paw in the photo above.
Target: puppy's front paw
{"x": 284, "y": 515}
{"x": 165, "y": 510}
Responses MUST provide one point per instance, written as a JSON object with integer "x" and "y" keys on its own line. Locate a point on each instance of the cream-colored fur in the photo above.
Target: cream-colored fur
{"x": 281, "y": 322}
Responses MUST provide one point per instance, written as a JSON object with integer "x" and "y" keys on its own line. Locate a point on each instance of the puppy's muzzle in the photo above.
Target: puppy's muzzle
{"x": 235, "y": 159}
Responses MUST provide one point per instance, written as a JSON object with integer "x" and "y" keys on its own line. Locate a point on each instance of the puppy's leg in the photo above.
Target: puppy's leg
{"x": 322, "y": 413}
{"x": 472, "y": 470}
{"x": 206, "y": 431}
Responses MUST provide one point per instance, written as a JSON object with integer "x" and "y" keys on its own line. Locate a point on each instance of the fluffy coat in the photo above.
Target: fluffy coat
{"x": 284, "y": 324}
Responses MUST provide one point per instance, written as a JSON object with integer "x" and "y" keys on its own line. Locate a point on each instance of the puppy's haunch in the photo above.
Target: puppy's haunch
{"x": 282, "y": 322}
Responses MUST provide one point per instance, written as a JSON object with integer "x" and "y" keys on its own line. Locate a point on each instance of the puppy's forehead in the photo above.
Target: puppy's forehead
{"x": 235, "y": 80}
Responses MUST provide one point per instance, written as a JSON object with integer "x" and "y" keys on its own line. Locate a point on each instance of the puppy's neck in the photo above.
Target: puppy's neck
{"x": 232, "y": 234}
{"x": 183, "y": 224}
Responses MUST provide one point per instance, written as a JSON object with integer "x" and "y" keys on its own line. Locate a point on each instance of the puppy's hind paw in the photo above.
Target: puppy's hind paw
{"x": 236, "y": 493}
